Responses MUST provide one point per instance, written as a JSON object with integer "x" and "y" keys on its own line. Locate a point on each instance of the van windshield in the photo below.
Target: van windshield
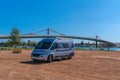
{"x": 43, "y": 45}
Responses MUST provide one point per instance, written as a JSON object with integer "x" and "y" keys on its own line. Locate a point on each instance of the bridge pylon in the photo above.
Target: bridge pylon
{"x": 96, "y": 41}
{"x": 48, "y": 31}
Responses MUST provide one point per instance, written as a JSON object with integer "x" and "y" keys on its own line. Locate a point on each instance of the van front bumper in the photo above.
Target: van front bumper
{"x": 40, "y": 58}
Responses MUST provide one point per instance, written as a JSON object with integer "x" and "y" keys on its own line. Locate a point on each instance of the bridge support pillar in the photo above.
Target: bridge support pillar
{"x": 96, "y": 41}
{"x": 96, "y": 44}
{"x": 48, "y": 31}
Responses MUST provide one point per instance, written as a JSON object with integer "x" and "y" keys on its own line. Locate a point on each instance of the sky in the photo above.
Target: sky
{"x": 86, "y": 18}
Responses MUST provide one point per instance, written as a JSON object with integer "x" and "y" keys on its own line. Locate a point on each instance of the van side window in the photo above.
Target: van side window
{"x": 59, "y": 45}
{"x": 65, "y": 45}
{"x": 71, "y": 45}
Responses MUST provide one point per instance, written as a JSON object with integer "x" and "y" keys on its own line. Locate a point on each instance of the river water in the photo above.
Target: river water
{"x": 93, "y": 48}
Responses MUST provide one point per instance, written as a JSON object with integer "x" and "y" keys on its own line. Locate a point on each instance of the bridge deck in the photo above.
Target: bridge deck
{"x": 54, "y": 36}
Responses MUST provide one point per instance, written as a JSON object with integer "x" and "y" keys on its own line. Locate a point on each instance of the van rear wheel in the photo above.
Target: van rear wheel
{"x": 50, "y": 59}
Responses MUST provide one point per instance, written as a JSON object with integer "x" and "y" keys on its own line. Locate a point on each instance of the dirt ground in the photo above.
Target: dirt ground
{"x": 85, "y": 65}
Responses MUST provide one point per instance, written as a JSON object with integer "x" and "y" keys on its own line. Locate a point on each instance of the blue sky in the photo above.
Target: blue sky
{"x": 73, "y": 17}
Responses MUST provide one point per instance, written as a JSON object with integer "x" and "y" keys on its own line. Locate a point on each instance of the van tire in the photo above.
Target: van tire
{"x": 70, "y": 56}
{"x": 50, "y": 59}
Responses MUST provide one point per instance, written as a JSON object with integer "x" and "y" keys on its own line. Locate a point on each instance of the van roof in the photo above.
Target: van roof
{"x": 52, "y": 39}
{"x": 48, "y": 40}
{"x": 64, "y": 38}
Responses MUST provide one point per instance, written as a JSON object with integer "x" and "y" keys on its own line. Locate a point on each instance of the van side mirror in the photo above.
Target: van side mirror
{"x": 53, "y": 48}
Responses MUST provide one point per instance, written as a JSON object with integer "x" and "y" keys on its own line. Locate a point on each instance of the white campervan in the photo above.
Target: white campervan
{"x": 49, "y": 49}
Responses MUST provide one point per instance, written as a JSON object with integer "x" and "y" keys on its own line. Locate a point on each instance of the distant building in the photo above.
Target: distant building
{"x": 117, "y": 44}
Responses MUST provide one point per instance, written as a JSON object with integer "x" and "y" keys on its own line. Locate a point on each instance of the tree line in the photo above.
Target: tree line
{"x": 15, "y": 40}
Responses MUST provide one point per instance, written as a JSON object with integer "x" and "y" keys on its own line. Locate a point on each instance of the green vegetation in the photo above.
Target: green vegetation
{"x": 6, "y": 48}
{"x": 15, "y": 41}
{"x": 11, "y": 48}
{"x": 79, "y": 49}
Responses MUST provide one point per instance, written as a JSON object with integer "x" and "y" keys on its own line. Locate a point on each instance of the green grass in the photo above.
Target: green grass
{"x": 79, "y": 49}
{"x": 6, "y": 48}
{"x": 12, "y": 48}
{"x": 28, "y": 48}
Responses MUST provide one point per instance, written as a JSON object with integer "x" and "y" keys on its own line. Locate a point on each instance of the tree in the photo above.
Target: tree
{"x": 29, "y": 43}
{"x": 24, "y": 43}
{"x": 14, "y": 39}
{"x": 82, "y": 43}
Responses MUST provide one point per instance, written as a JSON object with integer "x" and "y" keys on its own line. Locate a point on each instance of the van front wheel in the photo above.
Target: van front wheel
{"x": 49, "y": 59}
{"x": 70, "y": 56}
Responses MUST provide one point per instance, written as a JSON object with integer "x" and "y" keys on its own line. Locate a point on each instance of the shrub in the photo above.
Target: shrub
{"x": 17, "y": 50}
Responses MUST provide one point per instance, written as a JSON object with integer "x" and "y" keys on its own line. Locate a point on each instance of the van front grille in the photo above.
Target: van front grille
{"x": 36, "y": 55}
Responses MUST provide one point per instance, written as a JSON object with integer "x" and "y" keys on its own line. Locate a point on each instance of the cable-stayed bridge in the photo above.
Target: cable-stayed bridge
{"x": 49, "y": 33}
